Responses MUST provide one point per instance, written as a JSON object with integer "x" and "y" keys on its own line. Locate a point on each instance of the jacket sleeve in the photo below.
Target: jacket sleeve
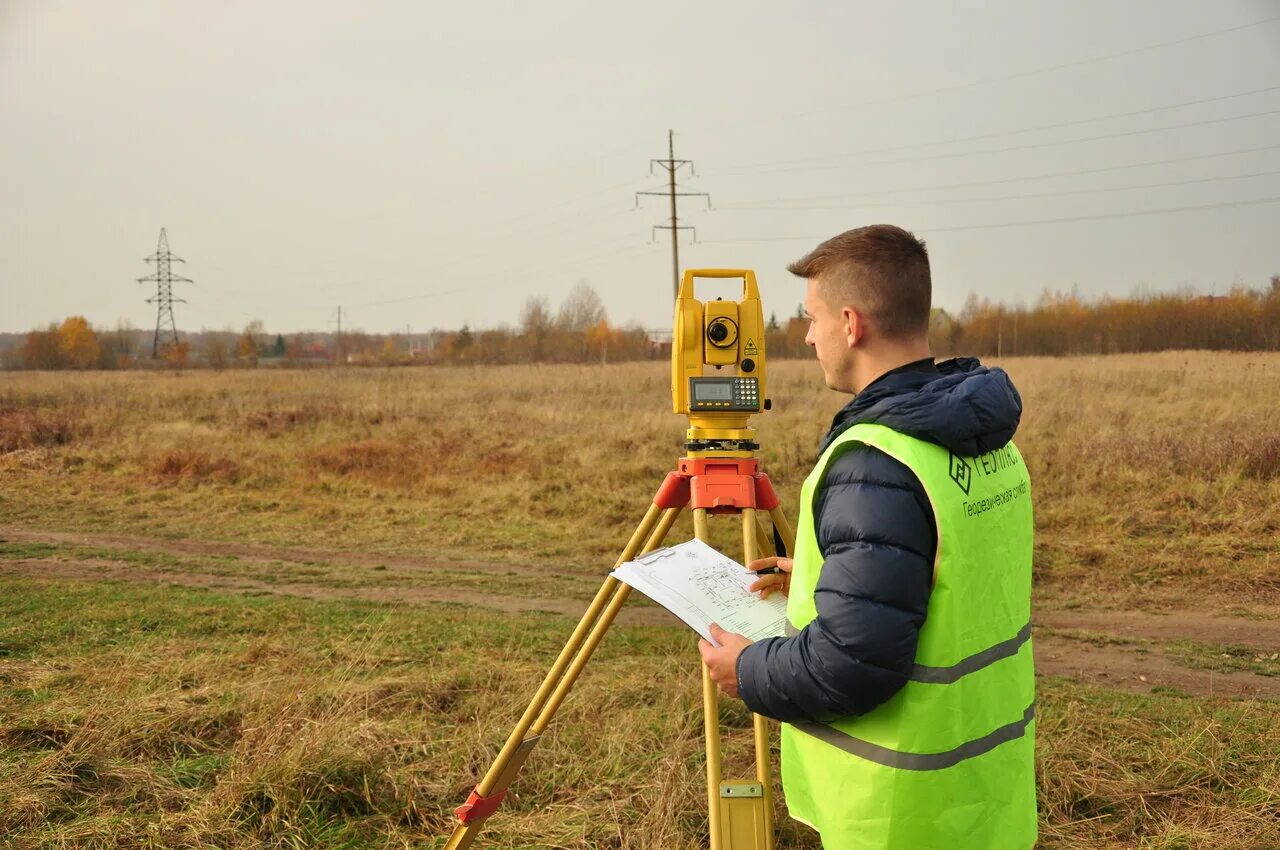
{"x": 878, "y": 539}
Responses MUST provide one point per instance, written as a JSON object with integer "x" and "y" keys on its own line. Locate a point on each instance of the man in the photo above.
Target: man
{"x": 905, "y": 683}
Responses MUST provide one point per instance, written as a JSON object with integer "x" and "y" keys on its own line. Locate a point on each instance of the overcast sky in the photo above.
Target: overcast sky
{"x": 429, "y": 164}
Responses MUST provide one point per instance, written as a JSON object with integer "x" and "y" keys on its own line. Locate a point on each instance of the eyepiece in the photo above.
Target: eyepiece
{"x": 722, "y": 332}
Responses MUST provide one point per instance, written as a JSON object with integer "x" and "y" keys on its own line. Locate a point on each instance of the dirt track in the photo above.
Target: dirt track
{"x": 1119, "y": 649}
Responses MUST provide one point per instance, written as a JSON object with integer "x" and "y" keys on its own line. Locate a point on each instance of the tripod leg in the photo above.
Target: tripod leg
{"x": 740, "y": 811}
{"x": 710, "y": 719}
{"x": 764, "y": 541}
{"x": 597, "y": 632}
{"x": 760, "y": 727}
{"x": 489, "y": 792}
{"x": 711, "y": 732}
{"x": 784, "y": 530}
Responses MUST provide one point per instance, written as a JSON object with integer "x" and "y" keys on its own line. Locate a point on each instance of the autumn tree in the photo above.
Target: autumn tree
{"x": 116, "y": 347}
{"x": 581, "y": 309}
{"x": 177, "y": 355}
{"x": 944, "y": 332}
{"x": 295, "y": 348}
{"x": 217, "y": 352}
{"x": 247, "y": 344}
{"x": 77, "y": 343}
{"x": 536, "y": 325}
{"x": 456, "y": 347}
{"x": 40, "y": 350}
{"x": 598, "y": 337}
{"x": 794, "y": 335}
{"x": 391, "y": 354}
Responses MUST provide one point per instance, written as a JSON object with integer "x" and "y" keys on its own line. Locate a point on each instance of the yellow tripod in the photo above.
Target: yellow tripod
{"x": 721, "y": 475}
{"x": 740, "y": 811}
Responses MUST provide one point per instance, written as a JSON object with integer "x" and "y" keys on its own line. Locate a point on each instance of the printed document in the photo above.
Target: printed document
{"x": 702, "y": 586}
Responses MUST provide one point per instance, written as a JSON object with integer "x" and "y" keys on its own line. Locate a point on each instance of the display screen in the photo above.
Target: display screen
{"x": 712, "y": 392}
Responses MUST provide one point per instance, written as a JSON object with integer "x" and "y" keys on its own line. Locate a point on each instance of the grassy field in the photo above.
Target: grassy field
{"x": 258, "y": 608}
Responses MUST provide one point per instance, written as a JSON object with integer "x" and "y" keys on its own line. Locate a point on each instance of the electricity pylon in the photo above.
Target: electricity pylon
{"x": 164, "y": 278}
{"x": 672, "y": 165}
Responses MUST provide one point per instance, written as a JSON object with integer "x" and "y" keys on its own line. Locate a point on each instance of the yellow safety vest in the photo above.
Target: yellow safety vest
{"x": 948, "y": 761}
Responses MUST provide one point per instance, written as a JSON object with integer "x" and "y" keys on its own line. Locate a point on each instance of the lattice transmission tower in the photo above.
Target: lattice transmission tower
{"x": 672, "y": 165}
{"x": 164, "y": 278}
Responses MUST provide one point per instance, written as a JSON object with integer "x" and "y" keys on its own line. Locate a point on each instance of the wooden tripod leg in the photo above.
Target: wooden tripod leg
{"x": 760, "y": 727}
{"x": 764, "y": 541}
{"x": 520, "y": 743}
{"x": 710, "y": 719}
{"x": 598, "y": 630}
{"x": 784, "y": 530}
{"x": 740, "y": 812}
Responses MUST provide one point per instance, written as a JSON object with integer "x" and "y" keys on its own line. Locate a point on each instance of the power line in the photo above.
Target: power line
{"x": 613, "y": 250}
{"x": 448, "y": 265}
{"x": 612, "y": 154}
{"x": 1038, "y": 127}
{"x": 409, "y": 298}
{"x": 517, "y": 223}
{"x": 1028, "y": 195}
{"x": 1004, "y": 180}
{"x": 1061, "y": 66}
{"x": 1033, "y": 145}
{"x": 672, "y": 165}
{"x": 1029, "y": 222}
{"x": 164, "y": 278}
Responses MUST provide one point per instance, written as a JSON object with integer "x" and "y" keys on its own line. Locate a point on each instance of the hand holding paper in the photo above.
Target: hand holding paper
{"x": 722, "y": 658}
{"x": 702, "y": 586}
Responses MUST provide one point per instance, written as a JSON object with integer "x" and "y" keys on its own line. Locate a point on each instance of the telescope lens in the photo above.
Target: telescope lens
{"x": 718, "y": 332}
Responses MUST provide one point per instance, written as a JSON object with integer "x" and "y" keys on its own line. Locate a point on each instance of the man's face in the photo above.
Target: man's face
{"x": 832, "y": 333}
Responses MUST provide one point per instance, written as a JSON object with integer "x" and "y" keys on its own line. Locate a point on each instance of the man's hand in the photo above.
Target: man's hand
{"x": 766, "y": 584}
{"x": 722, "y": 660}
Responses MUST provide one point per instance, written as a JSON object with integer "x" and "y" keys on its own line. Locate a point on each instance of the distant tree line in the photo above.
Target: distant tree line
{"x": 74, "y": 344}
{"x": 580, "y": 332}
{"x": 1060, "y": 324}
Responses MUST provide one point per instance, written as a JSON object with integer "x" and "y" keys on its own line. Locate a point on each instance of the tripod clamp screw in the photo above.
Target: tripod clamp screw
{"x": 479, "y": 808}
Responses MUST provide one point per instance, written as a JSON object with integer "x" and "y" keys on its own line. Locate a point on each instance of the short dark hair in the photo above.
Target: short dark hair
{"x": 882, "y": 270}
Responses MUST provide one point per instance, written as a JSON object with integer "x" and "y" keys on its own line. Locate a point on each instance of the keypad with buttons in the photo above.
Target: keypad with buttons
{"x": 727, "y": 394}
{"x": 746, "y": 392}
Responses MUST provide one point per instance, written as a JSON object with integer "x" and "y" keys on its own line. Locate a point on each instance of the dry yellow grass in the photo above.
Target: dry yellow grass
{"x": 145, "y": 716}
{"x": 1148, "y": 469}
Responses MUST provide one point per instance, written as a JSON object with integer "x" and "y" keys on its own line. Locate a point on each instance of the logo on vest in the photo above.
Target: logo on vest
{"x": 961, "y": 473}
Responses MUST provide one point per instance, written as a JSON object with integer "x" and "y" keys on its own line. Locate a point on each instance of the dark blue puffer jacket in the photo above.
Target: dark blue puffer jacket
{"x": 878, "y": 539}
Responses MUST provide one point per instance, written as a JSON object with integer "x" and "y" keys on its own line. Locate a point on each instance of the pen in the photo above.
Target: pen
{"x": 768, "y": 571}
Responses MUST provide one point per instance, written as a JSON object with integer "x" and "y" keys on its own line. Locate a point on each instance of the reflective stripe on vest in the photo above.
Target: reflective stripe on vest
{"x": 920, "y": 761}
{"x": 953, "y": 673}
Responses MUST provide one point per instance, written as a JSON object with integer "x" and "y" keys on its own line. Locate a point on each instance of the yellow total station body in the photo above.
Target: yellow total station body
{"x": 717, "y": 365}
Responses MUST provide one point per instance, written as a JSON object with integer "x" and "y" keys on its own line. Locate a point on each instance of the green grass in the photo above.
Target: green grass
{"x": 1225, "y": 658}
{"x": 23, "y": 551}
{"x": 312, "y": 573}
{"x": 152, "y": 716}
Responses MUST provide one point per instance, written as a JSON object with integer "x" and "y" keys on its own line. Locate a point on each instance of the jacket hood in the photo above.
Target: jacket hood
{"x": 961, "y": 405}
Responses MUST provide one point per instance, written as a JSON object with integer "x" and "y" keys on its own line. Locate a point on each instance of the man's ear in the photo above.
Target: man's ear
{"x": 855, "y": 327}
